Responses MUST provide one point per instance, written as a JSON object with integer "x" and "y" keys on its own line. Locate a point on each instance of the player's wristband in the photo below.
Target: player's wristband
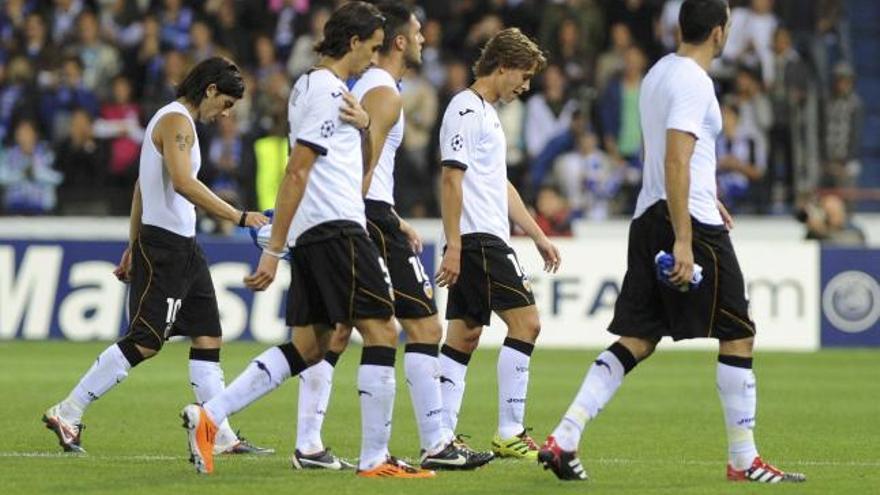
{"x": 273, "y": 253}
{"x": 242, "y": 219}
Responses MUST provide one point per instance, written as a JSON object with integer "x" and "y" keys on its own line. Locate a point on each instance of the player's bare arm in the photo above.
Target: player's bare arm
{"x": 450, "y": 210}
{"x": 523, "y": 219}
{"x": 175, "y": 137}
{"x": 123, "y": 270}
{"x": 679, "y": 149}
{"x": 383, "y": 105}
{"x": 290, "y": 194}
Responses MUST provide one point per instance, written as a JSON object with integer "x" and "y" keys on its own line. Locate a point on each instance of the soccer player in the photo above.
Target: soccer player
{"x": 678, "y": 210}
{"x": 171, "y": 288}
{"x": 337, "y": 274}
{"x": 398, "y": 243}
{"x": 479, "y": 267}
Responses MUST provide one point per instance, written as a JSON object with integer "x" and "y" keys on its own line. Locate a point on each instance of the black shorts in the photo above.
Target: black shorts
{"x": 171, "y": 290}
{"x": 337, "y": 276}
{"x": 413, "y": 290}
{"x": 491, "y": 279}
{"x": 646, "y": 308}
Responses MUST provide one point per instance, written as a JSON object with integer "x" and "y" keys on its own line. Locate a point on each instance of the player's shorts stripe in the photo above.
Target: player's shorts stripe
{"x": 486, "y": 271}
{"x": 411, "y": 298}
{"x": 715, "y": 297}
{"x": 353, "y": 281}
{"x": 158, "y": 338}
{"x": 374, "y": 296}
{"x": 381, "y": 238}
{"x": 524, "y": 296}
{"x": 738, "y": 320}
{"x": 146, "y": 289}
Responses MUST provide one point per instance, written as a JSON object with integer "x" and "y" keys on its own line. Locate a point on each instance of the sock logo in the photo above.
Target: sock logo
{"x": 364, "y": 392}
{"x": 93, "y": 396}
{"x": 264, "y": 368}
{"x": 443, "y": 380}
{"x": 433, "y": 412}
{"x": 514, "y": 400}
{"x": 599, "y": 362}
{"x": 746, "y": 421}
{"x": 522, "y": 369}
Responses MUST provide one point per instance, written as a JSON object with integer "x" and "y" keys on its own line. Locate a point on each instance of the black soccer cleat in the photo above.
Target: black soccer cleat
{"x": 455, "y": 457}
{"x": 565, "y": 465}
{"x": 324, "y": 459}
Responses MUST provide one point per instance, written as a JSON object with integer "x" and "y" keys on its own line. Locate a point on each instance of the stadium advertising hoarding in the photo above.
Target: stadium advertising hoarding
{"x": 850, "y": 297}
{"x": 66, "y": 290}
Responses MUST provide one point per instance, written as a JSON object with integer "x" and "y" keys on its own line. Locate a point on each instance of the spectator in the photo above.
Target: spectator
{"x": 611, "y": 62}
{"x": 284, "y": 27}
{"x": 755, "y": 110}
{"x": 788, "y": 94}
{"x": 12, "y": 21}
{"x": 201, "y": 42}
{"x": 267, "y": 64}
{"x": 271, "y": 100}
{"x": 230, "y": 163}
{"x": 164, "y": 90}
{"x": 17, "y": 97}
{"x": 120, "y": 23}
{"x": 63, "y": 17}
{"x": 589, "y": 178}
{"x": 619, "y": 107}
{"x": 26, "y": 173}
{"x": 120, "y": 125}
{"x": 751, "y": 38}
{"x": 668, "y": 25}
{"x": 81, "y": 160}
{"x": 640, "y": 17}
{"x": 271, "y": 153}
{"x": 829, "y": 222}
{"x": 552, "y": 213}
{"x": 458, "y": 77}
{"x": 843, "y": 118}
{"x": 587, "y": 14}
{"x": 100, "y": 61}
{"x": 58, "y": 104}
{"x": 148, "y": 70}
{"x": 303, "y": 56}
{"x": 176, "y": 20}
{"x": 419, "y": 100}
{"x": 549, "y": 112}
{"x": 571, "y": 54}
{"x": 232, "y": 36}
{"x": 739, "y": 165}
{"x": 41, "y": 52}
{"x": 432, "y": 53}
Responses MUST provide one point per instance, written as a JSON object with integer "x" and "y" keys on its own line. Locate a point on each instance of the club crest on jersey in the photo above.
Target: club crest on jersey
{"x": 457, "y": 142}
{"x": 328, "y": 128}
{"x": 428, "y": 289}
{"x": 527, "y": 284}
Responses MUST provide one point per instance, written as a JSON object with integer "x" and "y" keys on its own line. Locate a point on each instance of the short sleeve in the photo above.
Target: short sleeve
{"x": 687, "y": 108}
{"x": 314, "y": 115}
{"x": 459, "y": 135}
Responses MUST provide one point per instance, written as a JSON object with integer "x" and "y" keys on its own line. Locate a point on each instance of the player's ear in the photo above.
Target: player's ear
{"x": 353, "y": 43}
{"x": 211, "y": 90}
{"x": 400, "y": 42}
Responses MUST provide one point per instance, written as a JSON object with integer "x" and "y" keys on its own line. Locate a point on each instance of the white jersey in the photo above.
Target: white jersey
{"x": 163, "y": 207}
{"x": 334, "y": 189}
{"x": 678, "y": 94}
{"x": 382, "y": 184}
{"x": 471, "y": 138}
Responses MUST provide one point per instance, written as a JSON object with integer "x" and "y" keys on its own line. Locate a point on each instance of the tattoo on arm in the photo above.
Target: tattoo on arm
{"x": 183, "y": 141}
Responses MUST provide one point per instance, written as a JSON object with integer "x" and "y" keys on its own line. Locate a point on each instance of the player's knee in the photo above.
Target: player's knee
{"x": 339, "y": 339}
{"x": 526, "y": 329}
{"x": 738, "y": 347}
{"x": 314, "y": 354}
{"x": 640, "y": 348}
{"x": 424, "y": 331}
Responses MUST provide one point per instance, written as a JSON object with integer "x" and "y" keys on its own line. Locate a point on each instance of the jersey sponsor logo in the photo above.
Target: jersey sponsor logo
{"x": 465, "y": 112}
{"x": 328, "y": 128}
{"x": 851, "y": 301}
{"x": 457, "y": 142}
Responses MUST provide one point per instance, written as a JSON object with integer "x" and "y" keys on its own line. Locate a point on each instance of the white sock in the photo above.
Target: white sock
{"x": 315, "y": 385}
{"x": 206, "y": 378}
{"x": 513, "y": 384}
{"x": 452, "y": 384}
{"x": 110, "y": 368}
{"x": 423, "y": 378}
{"x": 602, "y": 381}
{"x": 264, "y": 374}
{"x": 376, "y": 385}
{"x": 738, "y": 393}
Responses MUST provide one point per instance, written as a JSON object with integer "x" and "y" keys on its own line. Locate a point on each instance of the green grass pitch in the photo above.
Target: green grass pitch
{"x": 663, "y": 432}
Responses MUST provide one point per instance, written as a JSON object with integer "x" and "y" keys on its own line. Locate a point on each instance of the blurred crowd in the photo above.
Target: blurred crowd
{"x": 80, "y": 78}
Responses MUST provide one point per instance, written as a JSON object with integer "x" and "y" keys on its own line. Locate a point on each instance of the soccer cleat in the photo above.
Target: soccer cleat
{"x": 455, "y": 456}
{"x": 519, "y": 446}
{"x": 200, "y": 433}
{"x": 761, "y": 472}
{"x": 69, "y": 435}
{"x": 324, "y": 459}
{"x": 242, "y": 447}
{"x": 394, "y": 468}
{"x": 565, "y": 465}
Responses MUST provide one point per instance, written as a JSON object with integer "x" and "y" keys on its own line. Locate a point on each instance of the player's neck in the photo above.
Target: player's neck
{"x": 485, "y": 87}
{"x": 338, "y": 66}
{"x": 701, "y": 54}
{"x": 193, "y": 110}
{"x": 392, "y": 65}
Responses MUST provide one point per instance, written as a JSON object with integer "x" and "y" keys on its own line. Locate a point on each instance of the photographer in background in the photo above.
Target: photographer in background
{"x": 828, "y": 221}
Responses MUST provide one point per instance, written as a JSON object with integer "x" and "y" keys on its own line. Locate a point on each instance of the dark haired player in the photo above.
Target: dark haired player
{"x": 678, "y": 210}
{"x": 171, "y": 288}
{"x": 337, "y": 274}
